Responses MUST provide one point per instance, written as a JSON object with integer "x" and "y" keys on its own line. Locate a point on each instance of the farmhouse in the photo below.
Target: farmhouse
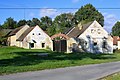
{"x": 29, "y": 38}
{"x": 90, "y": 37}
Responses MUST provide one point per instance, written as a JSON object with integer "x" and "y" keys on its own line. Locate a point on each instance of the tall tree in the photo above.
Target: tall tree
{"x": 63, "y": 21}
{"x": 29, "y": 22}
{"x": 45, "y": 22}
{"x": 33, "y": 22}
{"x": 10, "y": 23}
{"x": 21, "y": 23}
{"x": 0, "y": 27}
{"x": 116, "y": 29}
{"x": 88, "y": 13}
{"x": 51, "y": 30}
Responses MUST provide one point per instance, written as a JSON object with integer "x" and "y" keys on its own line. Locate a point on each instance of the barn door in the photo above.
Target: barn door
{"x": 60, "y": 45}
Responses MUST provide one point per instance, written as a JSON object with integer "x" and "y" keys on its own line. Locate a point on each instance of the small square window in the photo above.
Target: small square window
{"x": 39, "y": 34}
{"x": 95, "y": 43}
{"x": 98, "y": 31}
{"x": 92, "y": 30}
{"x": 31, "y": 45}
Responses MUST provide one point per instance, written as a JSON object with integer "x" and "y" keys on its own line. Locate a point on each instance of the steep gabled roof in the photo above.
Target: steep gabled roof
{"x": 75, "y": 32}
{"x": 15, "y": 31}
{"x": 21, "y": 38}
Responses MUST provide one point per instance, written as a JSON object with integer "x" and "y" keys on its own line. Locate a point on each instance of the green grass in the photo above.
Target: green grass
{"x": 13, "y": 59}
{"x": 115, "y": 76}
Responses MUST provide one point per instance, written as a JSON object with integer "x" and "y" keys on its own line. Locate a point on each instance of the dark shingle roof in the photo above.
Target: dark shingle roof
{"x": 21, "y": 38}
{"x": 75, "y": 32}
{"x": 15, "y": 31}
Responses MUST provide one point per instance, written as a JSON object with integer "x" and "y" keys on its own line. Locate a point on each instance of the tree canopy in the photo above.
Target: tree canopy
{"x": 45, "y": 22}
{"x": 63, "y": 21}
{"x": 116, "y": 29}
{"x": 88, "y": 13}
{"x": 21, "y": 23}
{"x": 10, "y": 23}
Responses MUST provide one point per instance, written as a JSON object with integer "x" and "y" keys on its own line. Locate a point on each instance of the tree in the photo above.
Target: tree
{"x": 45, "y": 22}
{"x": 21, "y": 23}
{"x": 0, "y": 27}
{"x": 33, "y": 22}
{"x": 29, "y": 22}
{"x": 116, "y": 29}
{"x": 10, "y": 23}
{"x": 88, "y": 13}
{"x": 51, "y": 30}
{"x": 63, "y": 21}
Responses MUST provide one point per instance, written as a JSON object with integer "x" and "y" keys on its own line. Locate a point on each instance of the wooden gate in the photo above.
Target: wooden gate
{"x": 60, "y": 45}
{"x": 60, "y": 42}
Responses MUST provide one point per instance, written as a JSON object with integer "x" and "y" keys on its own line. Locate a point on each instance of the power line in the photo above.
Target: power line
{"x": 56, "y": 8}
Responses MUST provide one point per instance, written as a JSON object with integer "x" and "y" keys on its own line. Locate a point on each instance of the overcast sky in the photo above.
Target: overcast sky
{"x": 110, "y": 15}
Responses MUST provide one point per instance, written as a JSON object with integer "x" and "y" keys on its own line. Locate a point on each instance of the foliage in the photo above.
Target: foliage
{"x": 10, "y": 23}
{"x": 35, "y": 21}
{"x": 63, "y": 21}
{"x": 21, "y": 23}
{"x": 116, "y": 29}
{"x": 51, "y": 30}
{"x": 2, "y": 38}
{"x": 46, "y": 22}
{"x": 13, "y": 59}
{"x": 88, "y": 13}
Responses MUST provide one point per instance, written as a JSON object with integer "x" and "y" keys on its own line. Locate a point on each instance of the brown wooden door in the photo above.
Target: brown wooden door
{"x": 60, "y": 45}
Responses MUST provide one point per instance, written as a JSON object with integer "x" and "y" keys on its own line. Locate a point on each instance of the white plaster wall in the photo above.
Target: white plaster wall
{"x": 42, "y": 38}
{"x": 95, "y": 35}
{"x": 118, "y": 44}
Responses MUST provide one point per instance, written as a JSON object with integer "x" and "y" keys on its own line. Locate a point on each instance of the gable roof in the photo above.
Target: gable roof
{"x": 15, "y": 31}
{"x": 115, "y": 39}
{"x": 21, "y": 38}
{"x": 5, "y": 32}
{"x": 75, "y": 32}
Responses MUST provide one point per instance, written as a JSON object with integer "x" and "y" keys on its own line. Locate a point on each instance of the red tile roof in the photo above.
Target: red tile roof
{"x": 115, "y": 39}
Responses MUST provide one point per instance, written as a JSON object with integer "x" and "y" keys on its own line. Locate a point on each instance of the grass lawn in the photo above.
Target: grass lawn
{"x": 13, "y": 59}
{"x": 115, "y": 76}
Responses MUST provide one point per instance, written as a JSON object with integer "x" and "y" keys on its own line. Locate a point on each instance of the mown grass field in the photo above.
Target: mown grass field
{"x": 13, "y": 59}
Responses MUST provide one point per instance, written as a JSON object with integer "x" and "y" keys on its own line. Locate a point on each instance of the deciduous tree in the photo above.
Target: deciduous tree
{"x": 116, "y": 29}
{"x": 10, "y": 23}
{"x": 88, "y": 13}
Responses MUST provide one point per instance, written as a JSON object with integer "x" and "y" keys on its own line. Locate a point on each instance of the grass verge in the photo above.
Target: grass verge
{"x": 13, "y": 59}
{"x": 115, "y": 76}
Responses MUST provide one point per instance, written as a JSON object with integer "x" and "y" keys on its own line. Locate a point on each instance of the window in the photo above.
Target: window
{"x": 31, "y": 45}
{"x": 43, "y": 45}
{"x": 98, "y": 31}
{"x": 95, "y": 43}
{"x": 92, "y": 30}
{"x": 39, "y": 34}
{"x": 104, "y": 44}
